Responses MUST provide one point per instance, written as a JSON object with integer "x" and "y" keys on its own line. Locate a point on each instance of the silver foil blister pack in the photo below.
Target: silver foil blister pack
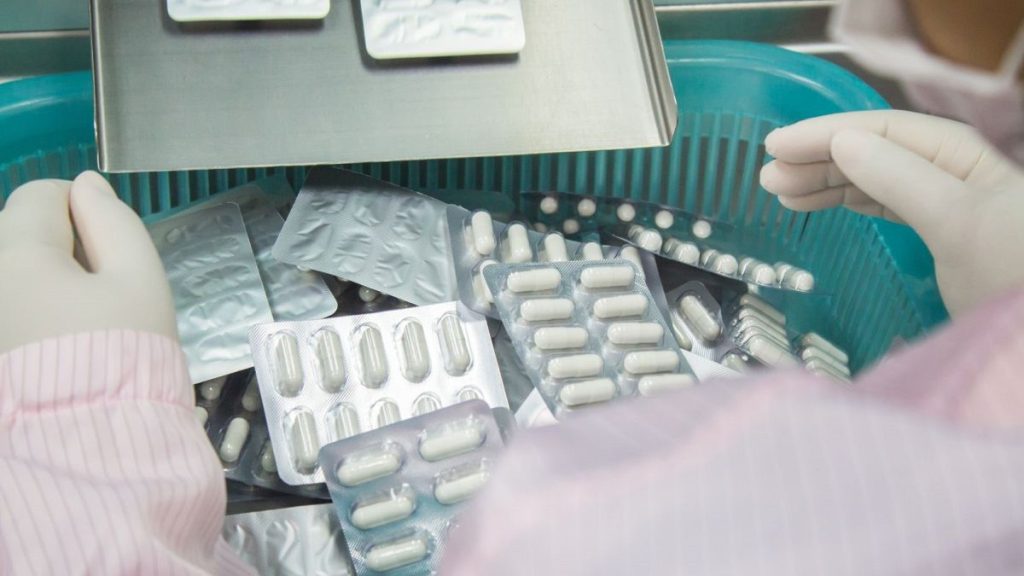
{"x": 215, "y": 282}
{"x": 294, "y": 541}
{"x": 376, "y": 234}
{"x": 322, "y": 381}
{"x": 398, "y": 489}
{"x": 431, "y": 28}
{"x": 588, "y": 332}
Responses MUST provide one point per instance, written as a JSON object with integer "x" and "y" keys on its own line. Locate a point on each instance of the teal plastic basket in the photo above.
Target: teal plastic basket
{"x": 730, "y": 95}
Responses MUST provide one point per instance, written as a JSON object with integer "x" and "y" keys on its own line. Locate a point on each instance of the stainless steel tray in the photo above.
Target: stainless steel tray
{"x": 173, "y": 96}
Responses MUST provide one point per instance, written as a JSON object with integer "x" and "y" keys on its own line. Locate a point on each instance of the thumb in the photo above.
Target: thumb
{"x": 913, "y": 188}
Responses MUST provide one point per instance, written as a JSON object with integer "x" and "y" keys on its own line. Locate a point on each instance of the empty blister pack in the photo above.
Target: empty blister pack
{"x": 297, "y": 540}
{"x": 231, "y": 411}
{"x": 398, "y": 489}
{"x": 327, "y": 380}
{"x": 376, "y": 234}
{"x": 430, "y": 28}
{"x": 587, "y": 332}
{"x": 215, "y": 282}
{"x": 212, "y": 10}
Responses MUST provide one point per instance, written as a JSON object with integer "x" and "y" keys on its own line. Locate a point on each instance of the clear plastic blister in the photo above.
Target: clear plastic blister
{"x": 215, "y": 10}
{"x": 822, "y": 357}
{"x": 587, "y": 332}
{"x": 398, "y": 489}
{"x": 370, "y": 232}
{"x": 297, "y": 540}
{"x": 216, "y": 285}
{"x": 326, "y": 380}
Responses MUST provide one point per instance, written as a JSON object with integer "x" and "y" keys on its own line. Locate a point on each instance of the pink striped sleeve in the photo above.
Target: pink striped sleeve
{"x": 103, "y": 468}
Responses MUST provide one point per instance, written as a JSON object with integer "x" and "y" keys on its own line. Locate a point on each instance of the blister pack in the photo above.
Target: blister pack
{"x": 215, "y": 282}
{"x": 587, "y": 332}
{"x": 376, "y": 234}
{"x": 398, "y": 489}
{"x": 213, "y": 10}
{"x": 820, "y": 356}
{"x": 297, "y": 540}
{"x": 430, "y": 28}
{"x": 326, "y": 380}
{"x": 478, "y": 242}
{"x": 231, "y": 411}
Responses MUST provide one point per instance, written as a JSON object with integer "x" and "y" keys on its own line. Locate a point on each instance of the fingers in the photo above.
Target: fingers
{"x": 112, "y": 235}
{"x": 36, "y": 214}
{"x": 785, "y": 179}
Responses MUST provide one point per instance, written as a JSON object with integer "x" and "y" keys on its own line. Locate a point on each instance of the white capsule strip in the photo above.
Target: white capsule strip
{"x": 661, "y": 383}
{"x": 592, "y": 251}
{"x": 287, "y": 365}
{"x": 330, "y": 358}
{"x": 374, "y": 362}
{"x": 560, "y": 338}
{"x": 395, "y": 554}
{"x": 234, "y": 439}
{"x": 651, "y": 362}
{"x": 602, "y": 277}
{"x": 686, "y": 252}
{"x": 631, "y": 254}
{"x": 453, "y": 490}
{"x": 587, "y": 392}
{"x": 305, "y": 443}
{"x": 699, "y": 318}
{"x": 457, "y": 356}
{"x": 751, "y": 301}
{"x": 819, "y": 341}
{"x": 814, "y": 354}
{"x": 768, "y": 352}
{"x": 398, "y": 507}
{"x": 624, "y": 306}
{"x": 635, "y": 333}
{"x": 343, "y": 422}
{"x": 724, "y": 264}
{"x": 537, "y": 280}
{"x": 482, "y": 231}
{"x": 575, "y": 366}
{"x": 546, "y": 309}
{"x": 516, "y": 248}
{"x": 449, "y": 443}
{"x": 414, "y": 357}
{"x": 554, "y": 249}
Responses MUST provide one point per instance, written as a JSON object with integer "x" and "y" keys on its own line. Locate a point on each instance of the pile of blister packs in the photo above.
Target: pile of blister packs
{"x": 378, "y": 347}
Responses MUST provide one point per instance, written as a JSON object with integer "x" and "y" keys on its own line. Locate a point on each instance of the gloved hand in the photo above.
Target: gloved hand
{"x": 963, "y": 198}
{"x": 46, "y": 292}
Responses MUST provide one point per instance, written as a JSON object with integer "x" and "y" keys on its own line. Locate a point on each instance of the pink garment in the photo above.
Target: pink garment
{"x": 917, "y": 469}
{"x": 103, "y": 467}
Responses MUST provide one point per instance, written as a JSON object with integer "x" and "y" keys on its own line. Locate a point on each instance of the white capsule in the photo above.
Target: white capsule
{"x": 635, "y": 333}
{"x": 234, "y": 439}
{"x": 761, "y": 324}
{"x": 735, "y": 361}
{"x": 414, "y": 357}
{"x": 701, "y": 229}
{"x": 202, "y": 415}
{"x": 453, "y": 490}
{"x": 516, "y": 247}
{"x": 397, "y": 553}
{"x": 631, "y": 254}
{"x": 782, "y": 270}
{"x": 374, "y": 362}
{"x": 368, "y": 294}
{"x": 449, "y": 443}
{"x": 425, "y": 404}
{"x": 624, "y": 306}
{"x": 679, "y": 331}
{"x": 211, "y": 389}
{"x": 343, "y": 422}
{"x": 751, "y": 301}
{"x": 814, "y": 354}
{"x": 546, "y": 309}
{"x": 251, "y": 396}
{"x": 553, "y": 249}
{"x": 287, "y": 365}
{"x": 540, "y": 227}
{"x": 571, "y": 226}
{"x": 647, "y": 239}
{"x": 330, "y": 357}
{"x": 625, "y": 212}
{"x": 707, "y": 256}
{"x": 592, "y": 251}
{"x": 745, "y": 263}
{"x": 387, "y": 413}
{"x": 560, "y": 338}
{"x": 586, "y": 208}
{"x": 799, "y": 280}
{"x": 469, "y": 393}
{"x": 587, "y": 392}
{"x": 393, "y": 509}
{"x": 356, "y": 470}
{"x": 267, "y": 461}
{"x": 664, "y": 219}
{"x": 651, "y": 362}
{"x": 700, "y": 320}
{"x": 536, "y": 280}
{"x": 685, "y": 252}
{"x": 767, "y": 351}
{"x": 661, "y": 383}
{"x": 480, "y": 287}
{"x": 457, "y": 355}
{"x": 482, "y": 230}
{"x": 821, "y": 368}
{"x": 601, "y": 277}
{"x": 724, "y": 264}
{"x": 744, "y": 337}
{"x": 761, "y": 273}
{"x": 819, "y": 341}
{"x": 549, "y": 205}
{"x": 575, "y": 366}
{"x": 305, "y": 443}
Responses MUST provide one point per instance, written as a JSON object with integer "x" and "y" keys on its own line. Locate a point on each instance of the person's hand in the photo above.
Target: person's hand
{"x": 45, "y": 291}
{"x": 963, "y": 198}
